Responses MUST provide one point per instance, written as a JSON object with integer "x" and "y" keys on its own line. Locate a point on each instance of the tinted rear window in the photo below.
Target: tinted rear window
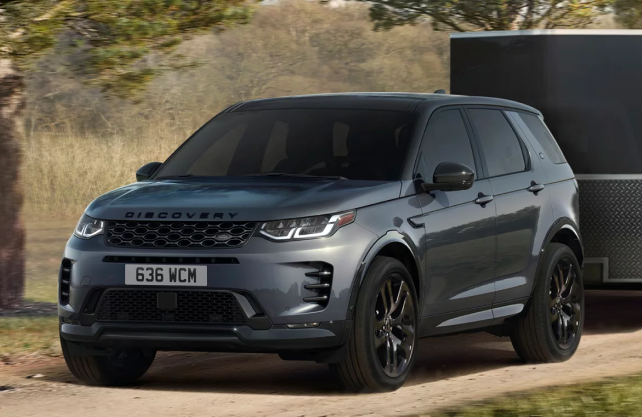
{"x": 544, "y": 137}
{"x": 356, "y": 144}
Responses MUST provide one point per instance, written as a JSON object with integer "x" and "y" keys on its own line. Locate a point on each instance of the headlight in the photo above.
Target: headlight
{"x": 89, "y": 227}
{"x": 307, "y": 227}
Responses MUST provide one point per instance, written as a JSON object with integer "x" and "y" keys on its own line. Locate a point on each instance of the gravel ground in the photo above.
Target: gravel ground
{"x": 31, "y": 310}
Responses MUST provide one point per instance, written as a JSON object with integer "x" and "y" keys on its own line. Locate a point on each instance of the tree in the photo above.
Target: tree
{"x": 119, "y": 45}
{"x": 470, "y": 15}
{"x": 628, "y": 13}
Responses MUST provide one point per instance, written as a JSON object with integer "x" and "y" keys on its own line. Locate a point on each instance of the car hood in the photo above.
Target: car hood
{"x": 226, "y": 199}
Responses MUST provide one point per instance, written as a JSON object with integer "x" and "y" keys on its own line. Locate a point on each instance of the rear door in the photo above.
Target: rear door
{"x": 460, "y": 225}
{"x": 524, "y": 213}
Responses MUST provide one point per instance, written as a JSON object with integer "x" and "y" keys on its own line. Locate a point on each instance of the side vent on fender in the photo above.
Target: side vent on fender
{"x": 65, "y": 281}
{"x": 323, "y": 285}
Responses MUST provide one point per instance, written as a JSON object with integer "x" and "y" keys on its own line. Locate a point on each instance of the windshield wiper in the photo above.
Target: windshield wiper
{"x": 283, "y": 174}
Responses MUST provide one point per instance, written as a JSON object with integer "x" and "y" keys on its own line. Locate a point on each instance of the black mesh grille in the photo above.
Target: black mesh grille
{"x": 154, "y": 234}
{"x": 191, "y": 307}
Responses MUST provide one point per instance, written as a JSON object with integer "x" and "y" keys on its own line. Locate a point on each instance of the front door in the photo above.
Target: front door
{"x": 460, "y": 225}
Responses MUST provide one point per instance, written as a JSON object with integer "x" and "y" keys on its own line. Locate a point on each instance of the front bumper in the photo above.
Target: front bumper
{"x": 209, "y": 338}
{"x": 271, "y": 275}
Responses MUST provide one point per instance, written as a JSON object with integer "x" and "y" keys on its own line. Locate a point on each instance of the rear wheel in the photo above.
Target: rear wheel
{"x": 551, "y": 329}
{"x": 381, "y": 346}
{"x": 122, "y": 368}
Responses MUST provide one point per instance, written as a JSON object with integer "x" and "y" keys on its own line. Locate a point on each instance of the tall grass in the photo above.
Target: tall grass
{"x": 63, "y": 171}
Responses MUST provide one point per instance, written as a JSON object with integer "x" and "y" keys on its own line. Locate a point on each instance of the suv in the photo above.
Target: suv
{"x": 336, "y": 228}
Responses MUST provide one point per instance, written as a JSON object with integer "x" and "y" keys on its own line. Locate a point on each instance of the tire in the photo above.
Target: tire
{"x": 393, "y": 326}
{"x": 551, "y": 329}
{"x": 123, "y": 368}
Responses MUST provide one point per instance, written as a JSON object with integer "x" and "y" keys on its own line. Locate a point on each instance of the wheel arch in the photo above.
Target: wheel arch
{"x": 395, "y": 245}
{"x": 566, "y": 232}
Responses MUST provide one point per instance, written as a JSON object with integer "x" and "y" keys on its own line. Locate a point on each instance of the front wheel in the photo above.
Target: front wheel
{"x": 551, "y": 329}
{"x": 382, "y": 343}
{"x": 122, "y": 368}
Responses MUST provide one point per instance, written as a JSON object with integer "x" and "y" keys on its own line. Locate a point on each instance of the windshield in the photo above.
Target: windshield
{"x": 354, "y": 144}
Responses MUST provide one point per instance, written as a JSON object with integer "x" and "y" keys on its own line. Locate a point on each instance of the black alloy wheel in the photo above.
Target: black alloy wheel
{"x": 394, "y": 325}
{"x": 565, "y": 303}
{"x": 380, "y": 353}
{"x": 550, "y": 328}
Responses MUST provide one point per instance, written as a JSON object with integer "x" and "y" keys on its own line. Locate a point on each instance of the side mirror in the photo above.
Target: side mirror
{"x": 450, "y": 176}
{"x": 147, "y": 170}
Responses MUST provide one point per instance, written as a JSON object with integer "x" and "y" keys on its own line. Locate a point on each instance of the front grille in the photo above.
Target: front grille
{"x": 195, "y": 306}
{"x": 155, "y": 234}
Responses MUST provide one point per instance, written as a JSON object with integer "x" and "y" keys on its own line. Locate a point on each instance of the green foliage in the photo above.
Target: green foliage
{"x": 119, "y": 44}
{"x": 465, "y": 15}
{"x": 628, "y": 13}
{"x": 610, "y": 397}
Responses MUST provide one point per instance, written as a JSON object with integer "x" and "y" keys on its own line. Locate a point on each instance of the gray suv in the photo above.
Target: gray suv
{"x": 337, "y": 228}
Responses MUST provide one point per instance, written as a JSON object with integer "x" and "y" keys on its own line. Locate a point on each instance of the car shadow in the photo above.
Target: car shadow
{"x": 613, "y": 311}
{"x": 437, "y": 358}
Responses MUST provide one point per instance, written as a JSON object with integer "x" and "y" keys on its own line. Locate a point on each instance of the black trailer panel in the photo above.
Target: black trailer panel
{"x": 588, "y": 86}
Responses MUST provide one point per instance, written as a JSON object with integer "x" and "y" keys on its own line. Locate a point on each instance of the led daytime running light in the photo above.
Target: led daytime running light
{"x": 300, "y": 228}
{"x": 89, "y": 227}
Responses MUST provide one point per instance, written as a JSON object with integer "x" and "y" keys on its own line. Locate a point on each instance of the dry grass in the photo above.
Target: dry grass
{"x": 45, "y": 245}
{"x": 63, "y": 172}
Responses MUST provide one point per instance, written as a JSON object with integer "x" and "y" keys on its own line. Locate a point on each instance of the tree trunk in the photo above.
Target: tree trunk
{"x": 12, "y": 233}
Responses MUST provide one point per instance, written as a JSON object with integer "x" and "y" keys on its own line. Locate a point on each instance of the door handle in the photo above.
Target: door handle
{"x": 535, "y": 188}
{"x": 482, "y": 199}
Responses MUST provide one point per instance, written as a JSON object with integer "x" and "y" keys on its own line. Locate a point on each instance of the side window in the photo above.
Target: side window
{"x": 501, "y": 147}
{"x": 544, "y": 137}
{"x": 446, "y": 140}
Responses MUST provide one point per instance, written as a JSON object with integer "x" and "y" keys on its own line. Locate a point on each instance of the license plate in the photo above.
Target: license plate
{"x": 174, "y": 275}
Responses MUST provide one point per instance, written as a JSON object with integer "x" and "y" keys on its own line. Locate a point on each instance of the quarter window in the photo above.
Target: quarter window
{"x": 501, "y": 147}
{"x": 544, "y": 137}
{"x": 446, "y": 140}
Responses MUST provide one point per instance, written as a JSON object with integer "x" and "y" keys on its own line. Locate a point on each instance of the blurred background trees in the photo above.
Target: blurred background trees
{"x": 292, "y": 47}
{"x": 628, "y": 13}
{"x": 467, "y": 15}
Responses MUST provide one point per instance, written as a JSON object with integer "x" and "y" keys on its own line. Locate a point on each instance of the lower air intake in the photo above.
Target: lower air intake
{"x": 195, "y": 307}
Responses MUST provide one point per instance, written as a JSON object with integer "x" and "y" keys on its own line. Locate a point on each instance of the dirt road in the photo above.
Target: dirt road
{"x": 449, "y": 370}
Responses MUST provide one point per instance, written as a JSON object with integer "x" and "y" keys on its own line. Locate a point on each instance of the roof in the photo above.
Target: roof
{"x": 546, "y": 32}
{"x": 372, "y": 101}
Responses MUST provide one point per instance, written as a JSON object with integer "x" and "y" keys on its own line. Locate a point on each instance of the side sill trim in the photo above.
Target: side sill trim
{"x": 492, "y": 313}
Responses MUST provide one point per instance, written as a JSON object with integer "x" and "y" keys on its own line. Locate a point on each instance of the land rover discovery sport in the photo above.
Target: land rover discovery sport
{"x": 336, "y": 228}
